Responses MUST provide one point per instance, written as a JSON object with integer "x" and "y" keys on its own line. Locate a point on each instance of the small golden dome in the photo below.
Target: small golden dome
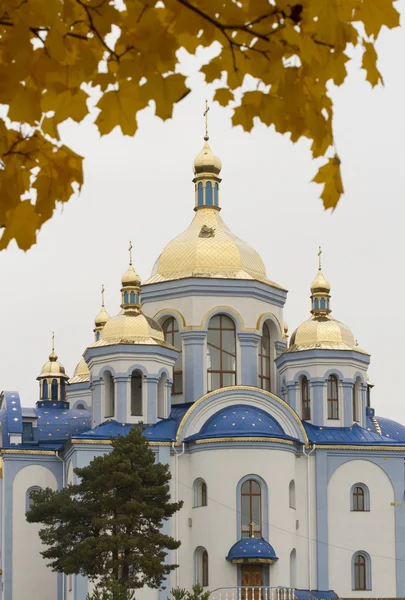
{"x": 102, "y": 318}
{"x": 320, "y": 284}
{"x": 132, "y": 327}
{"x": 322, "y": 332}
{"x": 81, "y": 374}
{"x": 206, "y": 161}
{"x": 130, "y": 278}
{"x": 208, "y": 249}
{"x": 53, "y": 368}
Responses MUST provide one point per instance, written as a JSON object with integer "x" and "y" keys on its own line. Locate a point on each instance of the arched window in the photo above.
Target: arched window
{"x": 45, "y": 390}
{"x": 200, "y": 493}
{"x": 264, "y": 359}
{"x": 79, "y": 406}
{"x": 132, "y": 297}
{"x": 126, "y": 297}
{"x": 201, "y": 567}
{"x": 361, "y": 571}
{"x": 200, "y": 200}
{"x": 136, "y": 394}
{"x": 161, "y": 400}
{"x": 62, "y": 389}
{"x": 216, "y": 194}
{"x": 54, "y": 389}
{"x": 221, "y": 346}
{"x": 291, "y": 493}
{"x": 109, "y": 395}
{"x": 316, "y": 304}
{"x": 359, "y": 498}
{"x": 208, "y": 193}
{"x": 293, "y": 568}
{"x": 333, "y": 397}
{"x": 323, "y": 303}
{"x": 29, "y": 497}
{"x": 173, "y": 337}
{"x": 251, "y": 509}
{"x": 305, "y": 400}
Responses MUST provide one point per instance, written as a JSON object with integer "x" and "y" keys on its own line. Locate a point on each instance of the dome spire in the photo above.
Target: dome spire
{"x": 131, "y": 287}
{"x": 101, "y": 318}
{"x": 320, "y": 288}
{"x": 52, "y": 356}
{"x": 207, "y": 168}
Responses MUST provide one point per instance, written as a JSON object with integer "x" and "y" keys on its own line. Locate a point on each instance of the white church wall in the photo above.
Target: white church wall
{"x": 216, "y": 526}
{"x": 31, "y": 577}
{"x": 372, "y": 532}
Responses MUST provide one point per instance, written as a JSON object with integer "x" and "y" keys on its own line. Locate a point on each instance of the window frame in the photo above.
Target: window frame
{"x": 305, "y": 399}
{"x": 169, "y": 336}
{"x": 365, "y": 496}
{"x": 201, "y": 566}
{"x": 265, "y": 358}
{"x": 32, "y": 488}
{"x": 257, "y": 532}
{"x": 332, "y": 400}
{"x": 361, "y": 572}
{"x": 221, "y": 351}
{"x": 291, "y": 494}
{"x": 200, "y": 493}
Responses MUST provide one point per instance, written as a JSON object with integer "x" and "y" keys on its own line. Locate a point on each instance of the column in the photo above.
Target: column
{"x": 149, "y": 399}
{"x": 96, "y": 401}
{"x": 279, "y": 347}
{"x": 292, "y": 393}
{"x": 195, "y": 364}
{"x": 347, "y": 403}
{"x": 168, "y": 397}
{"x": 321, "y": 462}
{"x": 248, "y": 342}
{"x": 316, "y": 387}
{"x": 122, "y": 382}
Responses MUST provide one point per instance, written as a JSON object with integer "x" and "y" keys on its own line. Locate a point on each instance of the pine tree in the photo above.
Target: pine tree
{"x": 108, "y": 526}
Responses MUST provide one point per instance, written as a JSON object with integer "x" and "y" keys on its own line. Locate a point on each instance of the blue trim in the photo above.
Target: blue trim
{"x": 193, "y": 286}
{"x": 101, "y": 351}
{"x": 304, "y": 355}
{"x": 265, "y": 505}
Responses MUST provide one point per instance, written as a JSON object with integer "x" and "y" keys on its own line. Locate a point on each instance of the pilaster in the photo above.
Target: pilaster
{"x": 122, "y": 383}
{"x": 248, "y": 342}
{"x": 347, "y": 403}
{"x": 195, "y": 377}
{"x": 150, "y": 387}
{"x": 316, "y": 387}
{"x": 292, "y": 389}
{"x": 96, "y": 401}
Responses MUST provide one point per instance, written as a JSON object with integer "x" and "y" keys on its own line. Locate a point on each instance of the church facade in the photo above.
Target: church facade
{"x": 288, "y": 478}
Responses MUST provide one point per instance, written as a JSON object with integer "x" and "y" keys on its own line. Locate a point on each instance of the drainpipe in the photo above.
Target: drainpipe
{"x": 309, "y": 516}
{"x": 176, "y": 499}
{"x": 63, "y": 485}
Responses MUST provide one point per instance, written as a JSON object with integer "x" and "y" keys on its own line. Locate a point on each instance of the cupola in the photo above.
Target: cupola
{"x": 101, "y": 318}
{"x": 52, "y": 379}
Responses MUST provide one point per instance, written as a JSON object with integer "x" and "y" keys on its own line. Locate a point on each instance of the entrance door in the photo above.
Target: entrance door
{"x": 252, "y": 577}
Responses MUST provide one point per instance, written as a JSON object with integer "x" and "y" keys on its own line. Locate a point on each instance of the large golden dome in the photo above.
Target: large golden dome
{"x": 208, "y": 249}
{"x": 81, "y": 374}
{"x": 322, "y": 332}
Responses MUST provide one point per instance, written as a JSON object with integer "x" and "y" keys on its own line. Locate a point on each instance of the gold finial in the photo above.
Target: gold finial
{"x": 206, "y": 137}
{"x": 130, "y": 253}
{"x": 53, "y": 342}
{"x": 252, "y": 529}
{"x": 319, "y": 258}
{"x": 102, "y": 295}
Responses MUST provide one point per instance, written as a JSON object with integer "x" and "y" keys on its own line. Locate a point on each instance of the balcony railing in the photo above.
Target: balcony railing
{"x": 252, "y": 593}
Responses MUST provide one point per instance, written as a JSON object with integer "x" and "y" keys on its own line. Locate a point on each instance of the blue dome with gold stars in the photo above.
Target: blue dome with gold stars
{"x": 250, "y": 550}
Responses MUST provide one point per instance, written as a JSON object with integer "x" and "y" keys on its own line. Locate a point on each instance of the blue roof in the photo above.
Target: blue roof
{"x": 240, "y": 420}
{"x": 252, "y": 548}
{"x": 391, "y": 433}
{"x": 315, "y": 595}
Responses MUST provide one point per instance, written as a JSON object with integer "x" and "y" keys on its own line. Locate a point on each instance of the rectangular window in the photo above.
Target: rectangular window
{"x": 27, "y": 432}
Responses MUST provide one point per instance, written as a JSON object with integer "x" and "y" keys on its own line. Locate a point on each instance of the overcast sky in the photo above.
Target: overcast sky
{"x": 141, "y": 189}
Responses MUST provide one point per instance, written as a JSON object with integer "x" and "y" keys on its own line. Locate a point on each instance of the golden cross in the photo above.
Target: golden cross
{"x": 319, "y": 258}
{"x": 130, "y": 253}
{"x": 102, "y": 294}
{"x": 206, "y": 120}
{"x": 252, "y": 529}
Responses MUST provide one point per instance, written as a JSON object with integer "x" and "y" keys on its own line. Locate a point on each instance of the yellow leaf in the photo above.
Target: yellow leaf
{"x": 375, "y": 14}
{"x": 212, "y": 71}
{"x": 119, "y": 108}
{"x": 25, "y": 106}
{"x": 369, "y": 63}
{"x": 22, "y": 225}
{"x": 165, "y": 91}
{"x": 223, "y": 96}
{"x": 329, "y": 175}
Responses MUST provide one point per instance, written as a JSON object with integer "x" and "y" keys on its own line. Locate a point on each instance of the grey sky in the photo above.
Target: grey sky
{"x": 140, "y": 188}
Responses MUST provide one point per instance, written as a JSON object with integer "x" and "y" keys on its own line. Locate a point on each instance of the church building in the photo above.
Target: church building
{"x": 290, "y": 482}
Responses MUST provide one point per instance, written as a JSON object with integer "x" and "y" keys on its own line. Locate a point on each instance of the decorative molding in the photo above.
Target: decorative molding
{"x": 18, "y": 451}
{"x": 243, "y": 439}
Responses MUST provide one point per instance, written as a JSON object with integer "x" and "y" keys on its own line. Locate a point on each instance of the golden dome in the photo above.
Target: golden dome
{"x": 208, "y": 249}
{"x": 130, "y": 278}
{"x": 53, "y": 368}
{"x": 102, "y": 318}
{"x": 320, "y": 284}
{"x": 206, "y": 161}
{"x": 322, "y": 332}
{"x": 82, "y": 373}
{"x": 132, "y": 327}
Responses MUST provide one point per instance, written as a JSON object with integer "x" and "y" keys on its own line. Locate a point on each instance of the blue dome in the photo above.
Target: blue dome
{"x": 391, "y": 429}
{"x": 55, "y": 424}
{"x": 240, "y": 420}
{"x": 251, "y": 549}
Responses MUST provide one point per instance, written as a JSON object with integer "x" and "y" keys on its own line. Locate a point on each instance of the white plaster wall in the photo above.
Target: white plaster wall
{"x": 373, "y": 532}
{"x": 215, "y": 526}
{"x": 31, "y": 577}
{"x": 194, "y": 309}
